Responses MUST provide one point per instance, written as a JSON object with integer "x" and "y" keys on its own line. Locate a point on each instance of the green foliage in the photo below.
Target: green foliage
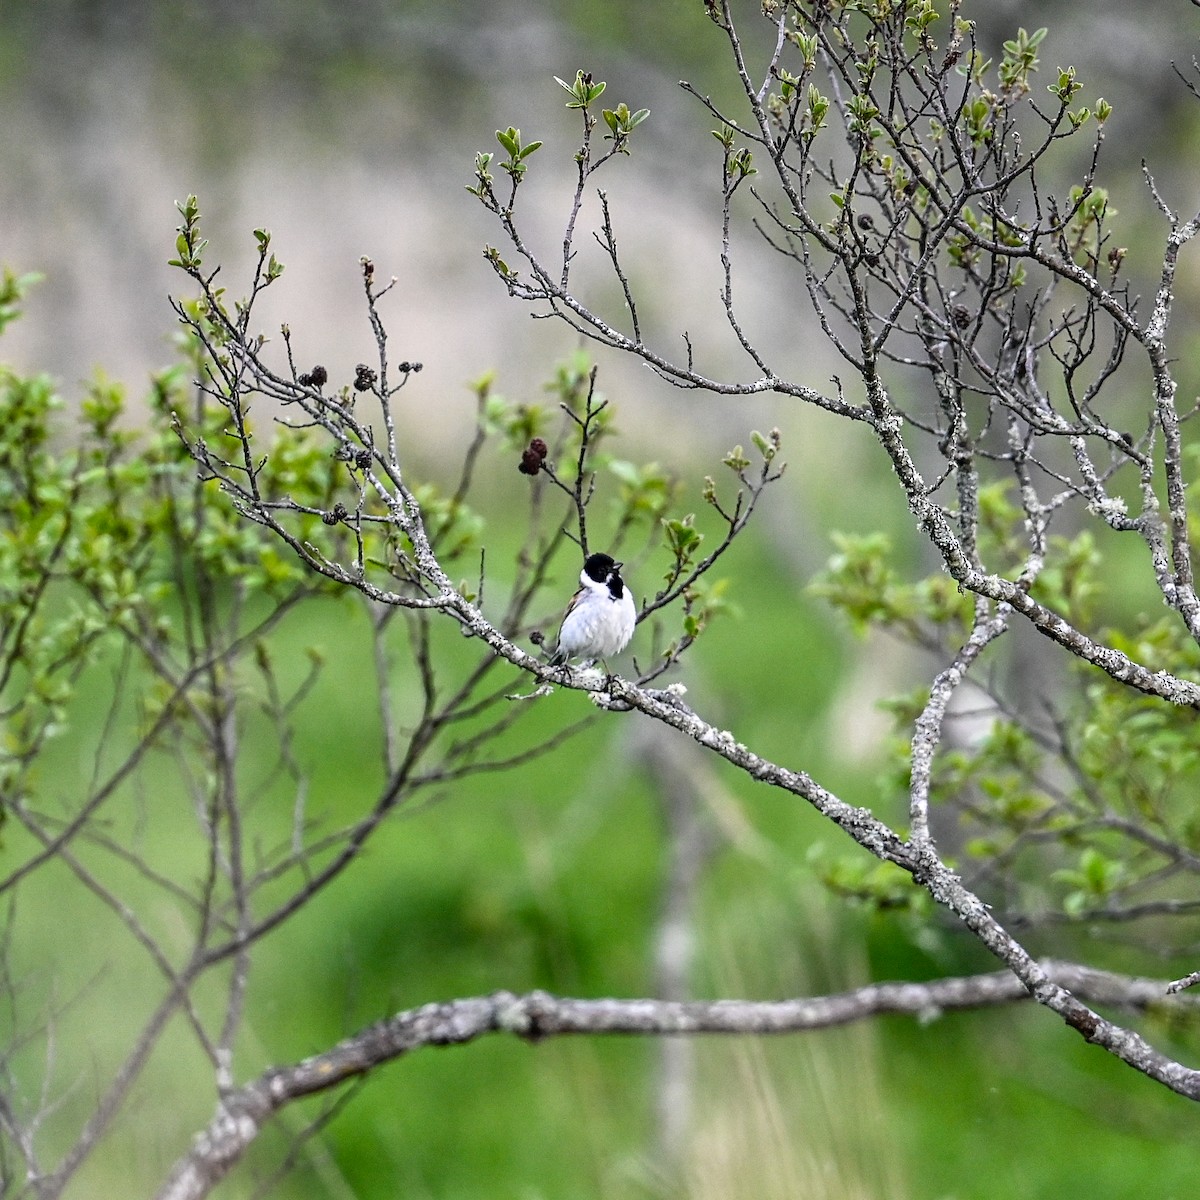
{"x": 189, "y": 245}
{"x": 816, "y": 114}
{"x": 571, "y": 384}
{"x": 878, "y": 886}
{"x": 919, "y": 16}
{"x": 583, "y": 91}
{"x": 1066, "y": 86}
{"x": 73, "y": 569}
{"x": 1133, "y": 763}
{"x": 100, "y": 525}
{"x": 859, "y": 582}
{"x": 454, "y": 528}
{"x": 13, "y": 288}
{"x": 483, "y": 175}
{"x": 705, "y": 600}
{"x": 621, "y": 123}
{"x": 1071, "y": 579}
{"x": 1091, "y": 883}
{"x": 1086, "y": 231}
{"x": 683, "y": 539}
{"x": 1139, "y": 758}
{"x": 515, "y": 423}
{"x": 862, "y": 112}
{"x": 645, "y": 491}
{"x": 518, "y": 152}
{"x": 1020, "y": 60}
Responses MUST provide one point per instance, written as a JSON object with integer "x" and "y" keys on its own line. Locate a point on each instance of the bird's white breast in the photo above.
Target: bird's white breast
{"x": 599, "y": 625}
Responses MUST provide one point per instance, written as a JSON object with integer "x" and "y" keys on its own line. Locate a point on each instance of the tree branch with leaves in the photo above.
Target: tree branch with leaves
{"x": 947, "y": 235}
{"x": 922, "y": 193}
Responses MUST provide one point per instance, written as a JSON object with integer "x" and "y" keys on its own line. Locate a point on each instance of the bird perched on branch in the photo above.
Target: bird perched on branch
{"x": 599, "y": 620}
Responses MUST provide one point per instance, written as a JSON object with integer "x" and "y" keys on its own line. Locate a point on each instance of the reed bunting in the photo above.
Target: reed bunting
{"x": 599, "y": 620}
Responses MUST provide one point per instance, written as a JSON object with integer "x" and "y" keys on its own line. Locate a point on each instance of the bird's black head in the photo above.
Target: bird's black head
{"x": 604, "y": 569}
{"x": 600, "y": 566}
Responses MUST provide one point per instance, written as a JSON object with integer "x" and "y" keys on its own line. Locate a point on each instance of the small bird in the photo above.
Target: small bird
{"x": 599, "y": 620}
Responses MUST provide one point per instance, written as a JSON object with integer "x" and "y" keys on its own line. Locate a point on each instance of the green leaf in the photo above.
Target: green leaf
{"x": 682, "y": 535}
{"x": 766, "y": 444}
{"x": 583, "y": 91}
{"x": 12, "y": 292}
{"x": 736, "y": 459}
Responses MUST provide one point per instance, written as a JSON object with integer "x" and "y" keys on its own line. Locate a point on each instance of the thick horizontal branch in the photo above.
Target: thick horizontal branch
{"x": 242, "y": 1114}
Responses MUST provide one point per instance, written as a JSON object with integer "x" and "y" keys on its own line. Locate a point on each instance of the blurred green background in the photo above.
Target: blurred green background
{"x": 349, "y": 129}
